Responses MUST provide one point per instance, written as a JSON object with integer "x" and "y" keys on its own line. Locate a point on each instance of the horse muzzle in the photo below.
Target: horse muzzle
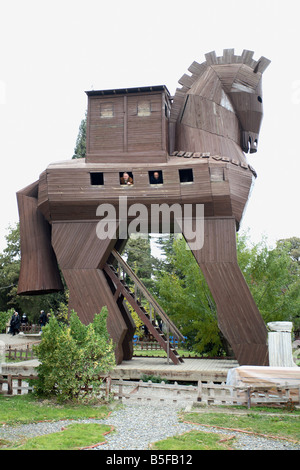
{"x": 249, "y": 142}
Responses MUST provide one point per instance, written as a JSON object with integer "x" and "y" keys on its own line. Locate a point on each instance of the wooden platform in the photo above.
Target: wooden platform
{"x": 191, "y": 370}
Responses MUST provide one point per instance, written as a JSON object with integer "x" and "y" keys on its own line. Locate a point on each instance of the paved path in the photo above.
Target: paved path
{"x": 17, "y": 340}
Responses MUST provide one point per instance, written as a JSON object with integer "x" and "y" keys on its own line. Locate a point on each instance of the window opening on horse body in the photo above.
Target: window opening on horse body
{"x": 126, "y": 178}
{"x": 186, "y": 176}
{"x": 97, "y": 179}
{"x": 156, "y": 177}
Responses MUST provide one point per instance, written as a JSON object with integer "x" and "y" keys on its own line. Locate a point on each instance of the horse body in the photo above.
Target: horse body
{"x": 214, "y": 119}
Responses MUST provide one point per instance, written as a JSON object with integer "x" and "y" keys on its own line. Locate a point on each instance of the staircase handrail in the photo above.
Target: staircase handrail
{"x": 147, "y": 294}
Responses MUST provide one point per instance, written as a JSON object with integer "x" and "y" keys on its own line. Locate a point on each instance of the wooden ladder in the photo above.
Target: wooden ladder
{"x": 123, "y": 289}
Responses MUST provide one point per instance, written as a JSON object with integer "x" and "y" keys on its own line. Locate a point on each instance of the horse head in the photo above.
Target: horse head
{"x": 222, "y": 97}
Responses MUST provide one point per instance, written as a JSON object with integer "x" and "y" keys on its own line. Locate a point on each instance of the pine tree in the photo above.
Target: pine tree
{"x": 80, "y": 148}
{"x": 138, "y": 252}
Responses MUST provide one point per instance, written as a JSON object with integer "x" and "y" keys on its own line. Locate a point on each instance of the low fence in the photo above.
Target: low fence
{"x": 19, "y": 354}
{"x": 154, "y": 345}
{"x": 29, "y": 329}
{"x": 147, "y": 346}
{"x": 16, "y": 384}
{"x": 203, "y": 393}
{"x": 208, "y": 393}
{"x": 222, "y": 394}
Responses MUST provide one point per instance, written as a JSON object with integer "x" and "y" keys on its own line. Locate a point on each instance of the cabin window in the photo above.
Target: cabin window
{"x": 156, "y": 177}
{"x": 126, "y": 178}
{"x": 106, "y": 110}
{"x": 144, "y": 108}
{"x": 186, "y": 176}
{"x": 97, "y": 179}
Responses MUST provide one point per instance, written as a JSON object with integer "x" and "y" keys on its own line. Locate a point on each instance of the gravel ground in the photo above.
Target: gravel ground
{"x": 138, "y": 425}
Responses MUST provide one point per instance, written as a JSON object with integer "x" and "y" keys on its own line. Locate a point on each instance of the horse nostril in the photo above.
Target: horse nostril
{"x": 249, "y": 142}
{"x": 253, "y": 147}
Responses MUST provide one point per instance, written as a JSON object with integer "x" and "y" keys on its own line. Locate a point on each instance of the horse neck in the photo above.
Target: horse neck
{"x": 208, "y": 122}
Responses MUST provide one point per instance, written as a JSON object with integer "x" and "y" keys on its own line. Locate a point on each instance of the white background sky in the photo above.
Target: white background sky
{"x": 51, "y": 52}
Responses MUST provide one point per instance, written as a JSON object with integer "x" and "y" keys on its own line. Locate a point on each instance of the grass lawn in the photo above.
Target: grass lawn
{"x": 195, "y": 440}
{"x": 73, "y": 437}
{"x": 284, "y": 425}
{"x": 23, "y": 409}
{"x": 26, "y": 409}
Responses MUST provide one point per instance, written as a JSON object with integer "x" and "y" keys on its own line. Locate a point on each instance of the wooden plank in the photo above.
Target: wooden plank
{"x": 247, "y": 57}
{"x": 211, "y": 58}
{"x": 84, "y": 249}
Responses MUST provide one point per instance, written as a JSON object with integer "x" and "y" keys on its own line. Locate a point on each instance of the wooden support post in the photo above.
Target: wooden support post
{"x": 108, "y": 387}
{"x": 168, "y": 344}
{"x": 199, "y": 391}
{"x": 120, "y": 389}
{"x": 19, "y": 384}
{"x": 9, "y": 385}
{"x": 249, "y": 397}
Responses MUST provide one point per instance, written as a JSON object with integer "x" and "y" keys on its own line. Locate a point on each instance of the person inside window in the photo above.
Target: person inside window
{"x": 126, "y": 179}
{"x": 156, "y": 177}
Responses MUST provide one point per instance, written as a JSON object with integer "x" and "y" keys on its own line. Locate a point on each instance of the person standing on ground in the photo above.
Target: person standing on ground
{"x": 15, "y": 324}
{"x": 43, "y": 319}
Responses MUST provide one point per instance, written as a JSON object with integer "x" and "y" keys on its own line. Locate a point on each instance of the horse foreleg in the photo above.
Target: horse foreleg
{"x": 238, "y": 316}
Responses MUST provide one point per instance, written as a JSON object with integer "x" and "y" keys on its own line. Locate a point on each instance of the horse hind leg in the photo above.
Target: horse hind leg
{"x": 238, "y": 316}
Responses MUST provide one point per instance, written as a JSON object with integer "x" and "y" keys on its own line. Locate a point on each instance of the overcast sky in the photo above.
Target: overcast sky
{"x": 53, "y": 51}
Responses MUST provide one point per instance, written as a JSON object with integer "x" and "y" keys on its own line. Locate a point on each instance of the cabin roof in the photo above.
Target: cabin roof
{"x": 125, "y": 91}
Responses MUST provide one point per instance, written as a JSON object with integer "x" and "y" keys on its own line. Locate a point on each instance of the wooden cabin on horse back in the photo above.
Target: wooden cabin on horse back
{"x": 149, "y": 150}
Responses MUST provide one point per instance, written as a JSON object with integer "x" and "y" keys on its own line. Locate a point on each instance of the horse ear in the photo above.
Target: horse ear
{"x": 262, "y": 64}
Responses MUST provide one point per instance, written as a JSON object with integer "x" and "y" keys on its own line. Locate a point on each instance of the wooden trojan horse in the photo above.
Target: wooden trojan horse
{"x": 195, "y": 142}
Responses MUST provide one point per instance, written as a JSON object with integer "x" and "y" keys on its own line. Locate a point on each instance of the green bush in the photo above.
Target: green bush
{"x": 4, "y": 318}
{"x": 72, "y": 357}
{"x": 155, "y": 379}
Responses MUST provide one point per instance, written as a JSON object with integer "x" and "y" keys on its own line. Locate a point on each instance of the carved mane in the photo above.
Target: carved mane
{"x": 197, "y": 70}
